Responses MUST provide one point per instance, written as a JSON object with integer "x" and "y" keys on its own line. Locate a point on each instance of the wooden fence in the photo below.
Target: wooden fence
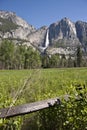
{"x": 28, "y": 108}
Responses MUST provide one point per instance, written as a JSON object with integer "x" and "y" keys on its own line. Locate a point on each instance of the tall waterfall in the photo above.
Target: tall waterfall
{"x": 46, "y": 44}
{"x": 47, "y": 39}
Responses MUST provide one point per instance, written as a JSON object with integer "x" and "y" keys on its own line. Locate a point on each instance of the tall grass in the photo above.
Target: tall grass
{"x": 24, "y": 86}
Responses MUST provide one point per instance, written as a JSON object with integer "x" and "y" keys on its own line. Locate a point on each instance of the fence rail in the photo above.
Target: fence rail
{"x": 28, "y": 108}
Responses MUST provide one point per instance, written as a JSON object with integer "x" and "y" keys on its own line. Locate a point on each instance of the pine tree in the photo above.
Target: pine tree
{"x": 79, "y": 56}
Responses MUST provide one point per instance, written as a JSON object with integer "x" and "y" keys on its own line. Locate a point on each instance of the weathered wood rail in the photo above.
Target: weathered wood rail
{"x": 28, "y": 108}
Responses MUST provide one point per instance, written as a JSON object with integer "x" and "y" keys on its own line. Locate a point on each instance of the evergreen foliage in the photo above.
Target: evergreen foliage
{"x": 19, "y": 56}
{"x": 79, "y": 56}
{"x": 7, "y": 25}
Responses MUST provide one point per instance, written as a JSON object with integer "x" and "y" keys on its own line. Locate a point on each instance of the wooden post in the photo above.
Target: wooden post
{"x": 28, "y": 108}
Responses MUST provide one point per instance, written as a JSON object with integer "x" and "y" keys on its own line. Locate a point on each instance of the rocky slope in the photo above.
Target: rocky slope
{"x": 37, "y": 38}
{"x": 12, "y": 26}
{"x": 17, "y": 29}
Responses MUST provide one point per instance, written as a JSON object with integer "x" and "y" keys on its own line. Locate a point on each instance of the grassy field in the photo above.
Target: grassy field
{"x": 24, "y": 86}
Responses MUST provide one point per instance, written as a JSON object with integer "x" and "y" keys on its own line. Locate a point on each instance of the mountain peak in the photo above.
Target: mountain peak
{"x": 14, "y": 26}
{"x": 66, "y": 19}
{"x": 6, "y": 14}
{"x": 69, "y": 24}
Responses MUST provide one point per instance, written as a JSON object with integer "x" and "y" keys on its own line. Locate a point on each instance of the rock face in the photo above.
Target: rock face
{"x": 81, "y": 28}
{"x": 15, "y": 28}
{"x": 64, "y": 35}
{"x": 12, "y": 26}
{"x": 37, "y": 38}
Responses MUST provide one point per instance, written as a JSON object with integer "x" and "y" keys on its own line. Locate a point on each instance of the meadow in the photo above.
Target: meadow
{"x": 24, "y": 86}
{"x": 33, "y": 85}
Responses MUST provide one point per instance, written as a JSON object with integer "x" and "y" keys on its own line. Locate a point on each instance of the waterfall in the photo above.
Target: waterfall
{"x": 46, "y": 44}
{"x": 47, "y": 39}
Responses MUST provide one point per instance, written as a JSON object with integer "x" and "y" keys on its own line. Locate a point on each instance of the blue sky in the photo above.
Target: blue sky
{"x": 45, "y": 12}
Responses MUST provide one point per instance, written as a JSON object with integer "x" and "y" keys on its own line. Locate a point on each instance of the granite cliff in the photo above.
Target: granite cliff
{"x": 63, "y": 36}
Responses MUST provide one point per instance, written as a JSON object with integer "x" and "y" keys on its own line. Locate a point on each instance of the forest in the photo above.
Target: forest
{"x": 19, "y": 56}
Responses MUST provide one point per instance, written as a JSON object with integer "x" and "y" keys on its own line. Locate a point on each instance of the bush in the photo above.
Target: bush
{"x": 70, "y": 115}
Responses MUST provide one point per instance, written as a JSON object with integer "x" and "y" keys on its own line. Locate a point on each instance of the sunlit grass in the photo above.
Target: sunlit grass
{"x": 42, "y": 84}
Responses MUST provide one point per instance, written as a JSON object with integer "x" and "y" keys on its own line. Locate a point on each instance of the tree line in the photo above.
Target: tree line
{"x": 61, "y": 61}
{"x": 19, "y": 56}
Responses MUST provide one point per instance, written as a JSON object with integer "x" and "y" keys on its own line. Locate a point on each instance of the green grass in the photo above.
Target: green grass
{"x": 42, "y": 84}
